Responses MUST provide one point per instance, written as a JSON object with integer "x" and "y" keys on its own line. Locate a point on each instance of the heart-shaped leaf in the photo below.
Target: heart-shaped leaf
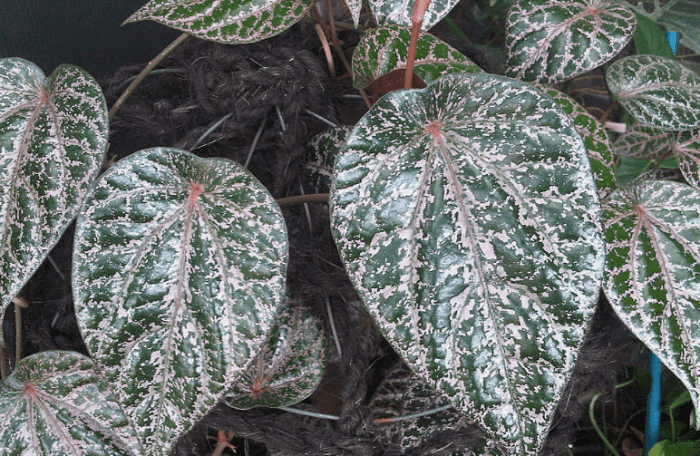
{"x": 552, "y": 41}
{"x": 225, "y": 21}
{"x": 385, "y": 49}
{"x": 653, "y": 274}
{"x": 399, "y": 12}
{"x": 467, "y": 217}
{"x": 290, "y": 365}
{"x": 178, "y": 271}
{"x": 658, "y": 92}
{"x": 54, "y": 404}
{"x": 53, "y": 136}
{"x": 595, "y": 137}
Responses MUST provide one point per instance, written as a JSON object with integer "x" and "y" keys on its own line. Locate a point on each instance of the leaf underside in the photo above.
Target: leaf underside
{"x": 466, "y": 215}
{"x": 653, "y": 274}
{"x": 552, "y": 41}
{"x": 658, "y": 92}
{"x": 55, "y": 404}
{"x": 225, "y": 21}
{"x": 53, "y": 135}
{"x": 288, "y": 368}
{"x": 179, "y": 268}
{"x": 385, "y": 49}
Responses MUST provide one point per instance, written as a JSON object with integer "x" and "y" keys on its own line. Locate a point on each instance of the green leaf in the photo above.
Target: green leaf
{"x": 467, "y": 218}
{"x": 552, "y": 41}
{"x": 658, "y": 92}
{"x": 682, "y": 448}
{"x": 225, "y": 21}
{"x": 682, "y": 16}
{"x": 178, "y": 270}
{"x": 322, "y": 150}
{"x": 385, "y": 49}
{"x": 653, "y": 274}
{"x": 54, "y": 403}
{"x": 53, "y": 136}
{"x": 290, "y": 365}
{"x": 595, "y": 137}
{"x": 646, "y": 143}
{"x": 649, "y": 38}
{"x": 399, "y": 12}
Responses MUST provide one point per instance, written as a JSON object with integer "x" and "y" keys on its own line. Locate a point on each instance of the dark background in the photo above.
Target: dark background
{"x": 87, "y": 33}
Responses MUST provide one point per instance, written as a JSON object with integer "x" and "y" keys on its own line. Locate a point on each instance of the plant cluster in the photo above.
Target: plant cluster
{"x": 478, "y": 217}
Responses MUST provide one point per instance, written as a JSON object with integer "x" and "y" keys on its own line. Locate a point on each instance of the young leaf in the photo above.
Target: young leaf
{"x": 290, "y": 365}
{"x": 658, "y": 92}
{"x": 653, "y": 274}
{"x": 55, "y": 404}
{"x": 322, "y": 150}
{"x": 467, "y": 218}
{"x": 595, "y": 137}
{"x": 178, "y": 269}
{"x": 552, "y": 41}
{"x": 225, "y": 21}
{"x": 399, "y": 12}
{"x": 649, "y": 38}
{"x": 53, "y": 135}
{"x": 384, "y": 49}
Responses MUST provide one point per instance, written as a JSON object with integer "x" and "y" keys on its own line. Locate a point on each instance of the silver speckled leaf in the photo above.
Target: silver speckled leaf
{"x": 53, "y": 136}
{"x": 552, "y": 41}
{"x": 321, "y": 153}
{"x": 653, "y": 274}
{"x": 225, "y": 21}
{"x": 645, "y": 143}
{"x": 385, "y": 49}
{"x": 290, "y": 365}
{"x": 687, "y": 153}
{"x": 399, "y": 12}
{"x": 55, "y": 404}
{"x": 467, "y": 217}
{"x": 178, "y": 270}
{"x": 658, "y": 92}
{"x": 595, "y": 137}
{"x": 355, "y": 8}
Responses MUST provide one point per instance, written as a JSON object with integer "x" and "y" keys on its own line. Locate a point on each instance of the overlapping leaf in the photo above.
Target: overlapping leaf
{"x": 684, "y": 17}
{"x": 467, "y": 218}
{"x": 385, "y": 49}
{"x": 653, "y": 275}
{"x": 179, "y": 267}
{"x": 55, "y": 404}
{"x": 646, "y": 143}
{"x": 658, "y": 92}
{"x": 322, "y": 151}
{"x": 552, "y": 41}
{"x": 595, "y": 137}
{"x": 687, "y": 153}
{"x": 225, "y": 21}
{"x": 53, "y": 135}
{"x": 290, "y": 365}
{"x": 399, "y": 12}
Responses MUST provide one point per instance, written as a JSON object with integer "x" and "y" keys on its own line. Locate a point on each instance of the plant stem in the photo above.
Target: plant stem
{"x": 394, "y": 419}
{"x": 591, "y": 416}
{"x": 419, "y": 9}
{"x": 299, "y": 199}
{"x": 151, "y": 65}
{"x": 19, "y": 304}
{"x": 3, "y": 360}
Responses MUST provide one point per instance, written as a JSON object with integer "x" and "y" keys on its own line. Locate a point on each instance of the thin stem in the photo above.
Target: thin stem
{"x": 19, "y": 304}
{"x": 333, "y": 330}
{"x": 255, "y": 142}
{"x": 299, "y": 199}
{"x": 591, "y": 416}
{"x": 211, "y": 129}
{"x": 323, "y": 416}
{"x": 142, "y": 75}
{"x": 320, "y": 118}
{"x": 3, "y": 360}
{"x": 394, "y": 419}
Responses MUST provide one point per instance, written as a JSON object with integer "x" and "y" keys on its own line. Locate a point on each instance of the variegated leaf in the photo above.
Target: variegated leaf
{"x": 322, "y": 151}
{"x": 658, "y": 92}
{"x": 687, "y": 153}
{"x": 552, "y": 41}
{"x": 225, "y": 21}
{"x": 653, "y": 274}
{"x": 53, "y": 136}
{"x": 595, "y": 137}
{"x": 646, "y": 143}
{"x": 290, "y": 365}
{"x": 385, "y": 49}
{"x": 355, "y": 7}
{"x": 55, "y": 404}
{"x": 399, "y": 12}
{"x": 178, "y": 270}
{"x": 467, "y": 217}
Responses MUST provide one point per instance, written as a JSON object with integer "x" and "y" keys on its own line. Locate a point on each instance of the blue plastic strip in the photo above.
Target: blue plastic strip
{"x": 672, "y": 38}
{"x": 653, "y": 403}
